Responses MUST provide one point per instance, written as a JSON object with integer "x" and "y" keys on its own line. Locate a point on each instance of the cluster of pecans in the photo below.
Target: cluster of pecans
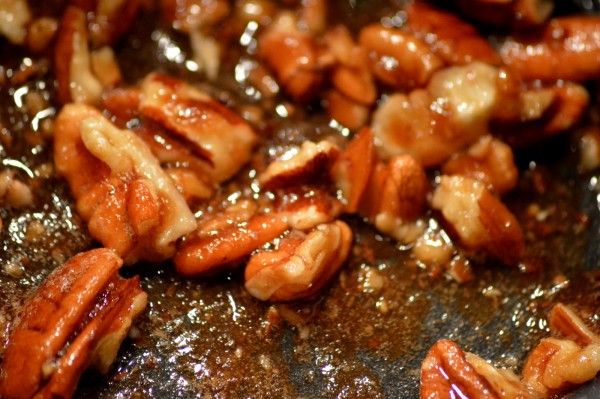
{"x": 426, "y": 92}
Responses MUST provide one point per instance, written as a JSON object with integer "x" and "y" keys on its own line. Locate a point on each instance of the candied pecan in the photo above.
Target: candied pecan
{"x": 431, "y": 124}
{"x": 108, "y": 19}
{"x": 565, "y": 321}
{"x": 300, "y": 265}
{"x": 191, "y": 174}
{"x": 76, "y": 81}
{"x": 350, "y": 75}
{"x": 555, "y": 365}
{"x": 397, "y": 194}
{"x": 305, "y": 166}
{"x": 397, "y": 58}
{"x": 353, "y": 168}
{"x": 313, "y": 15}
{"x": 552, "y": 367}
{"x": 479, "y": 219}
{"x": 544, "y": 112}
{"x": 214, "y": 132}
{"x": 446, "y": 373}
{"x": 210, "y": 251}
{"x": 293, "y": 56}
{"x": 503, "y": 382}
{"x": 305, "y": 209}
{"x": 453, "y": 40}
{"x": 78, "y": 317}
{"x": 15, "y": 16}
{"x": 130, "y": 203}
{"x": 346, "y": 111}
{"x": 565, "y": 48}
{"x": 434, "y": 248}
{"x": 105, "y": 67}
{"x": 488, "y": 160}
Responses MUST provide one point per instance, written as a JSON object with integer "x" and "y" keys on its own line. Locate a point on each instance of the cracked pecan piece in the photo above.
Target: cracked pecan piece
{"x": 307, "y": 165}
{"x": 78, "y": 317}
{"x": 210, "y": 129}
{"x": 129, "y": 202}
{"x": 479, "y": 219}
{"x": 446, "y": 373}
{"x": 301, "y": 264}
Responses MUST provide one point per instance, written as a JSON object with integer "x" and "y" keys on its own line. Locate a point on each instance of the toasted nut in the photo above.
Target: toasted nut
{"x": 308, "y": 164}
{"x": 79, "y": 315}
{"x": 131, "y": 204}
{"x": 479, "y": 219}
{"x": 105, "y": 67}
{"x": 292, "y": 55}
{"x": 301, "y": 265}
{"x": 397, "y": 58}
{"x": 351, "y": 75}
{"x": 453, "y": 40}
{"x": 344, "y": 110}
{"x": 446, "y": 373}
{"x": 565, "y": 48}
{"x": 565, "y": 321}
{"x": 503, "y": 382}
{"x": 304, "y": 212}
{"x": 353, "y": 168}
{"x": 76, "y": 82}
{"x": 488, "y": 160}
{"x": 204, "y": 254}
{"x": 215, "y": 132}
{"x": 544, "y": 112}
{"x": 432, "y": 124}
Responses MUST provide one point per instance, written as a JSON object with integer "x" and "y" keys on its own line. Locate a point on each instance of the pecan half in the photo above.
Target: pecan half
{"x": 433, "y": 123}
{"x": 565, "y": 48}
{"x": 300, "y": 265}
{"x": 488, "y": 160}
{"x": 397, "y": 193}
{"x": 219, "y": 245}
{"x": 130, "y": 203}
{"x": 78, "y": 317}
{"x": 353, "y": 168}
{"x": 213, "y": 131}
{"x": 446, "y": 373}
{"x": 398, "y": 59}
{"x": 565, "y": 321}
{"x": 449, "y": 37}
{"x": 503, "y": 382}
{"x": 76, "y": 80}
{"x": 479, "y": 219}
{"x": 293, "y": 56}
{"x": 308, "y": 164}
